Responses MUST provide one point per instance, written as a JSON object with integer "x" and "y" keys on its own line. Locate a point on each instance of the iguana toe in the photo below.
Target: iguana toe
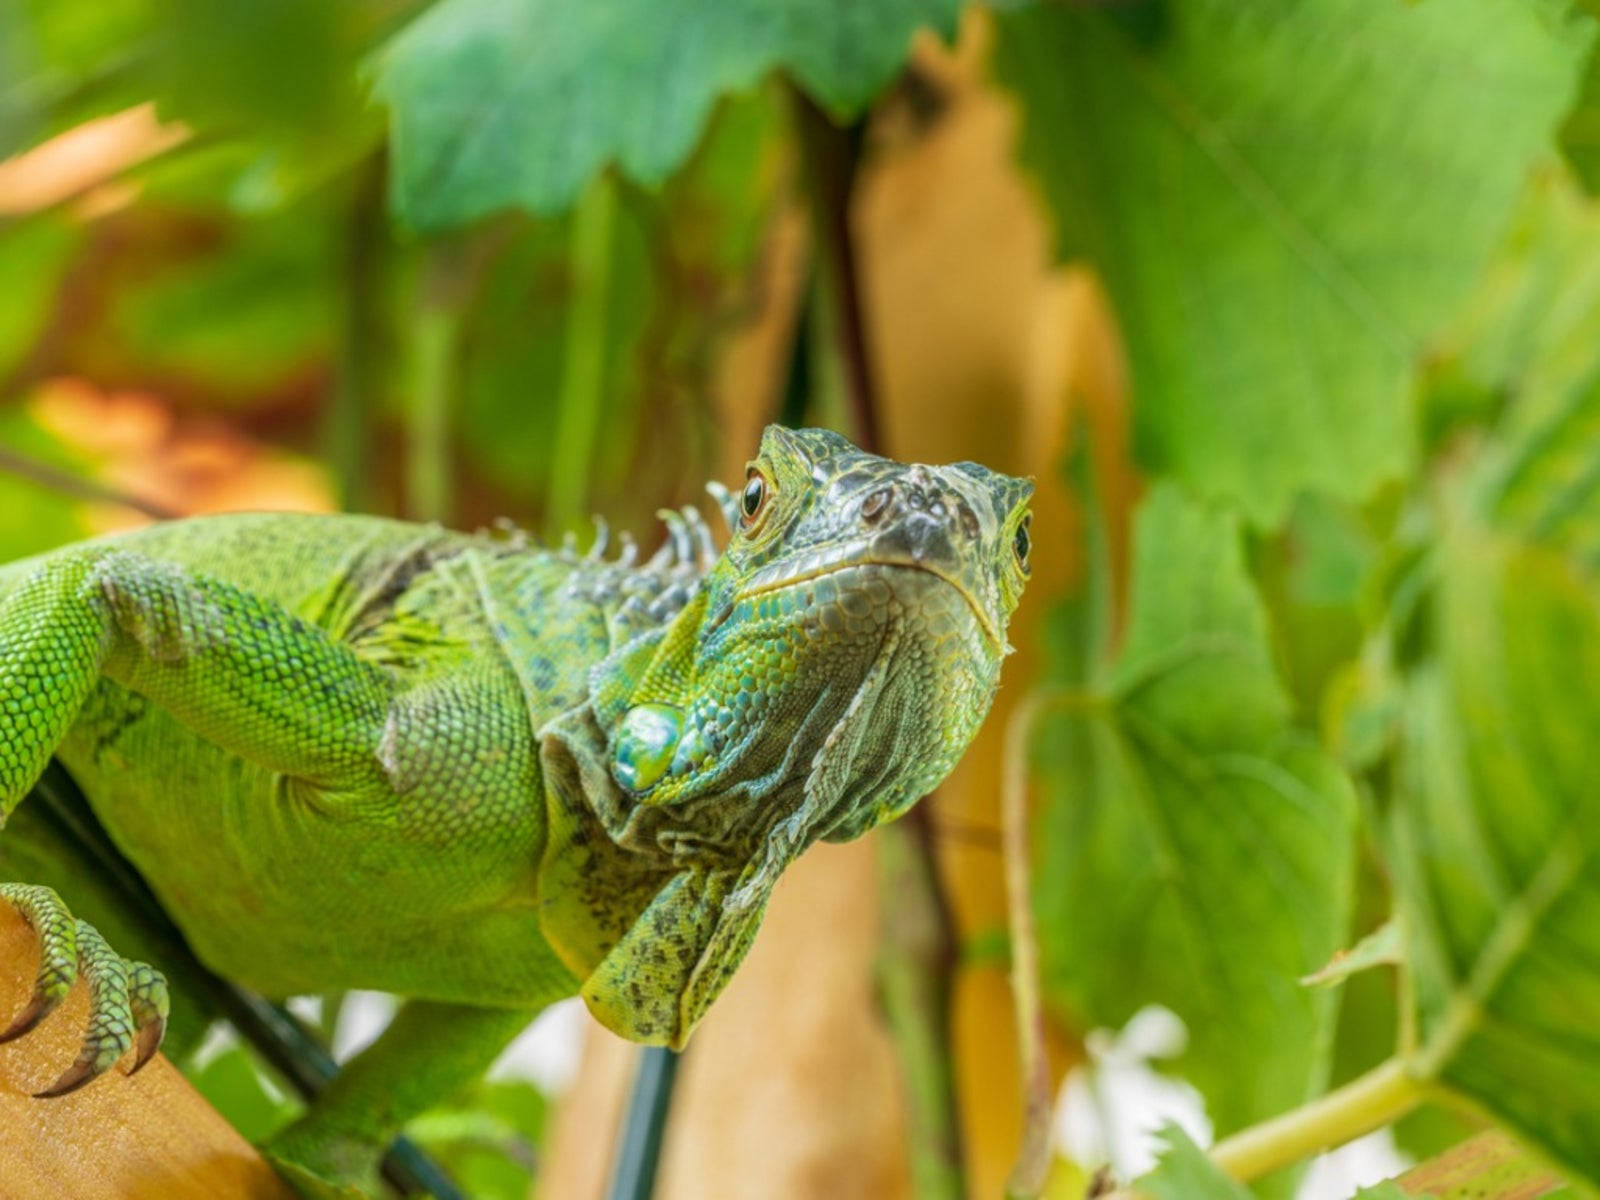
{"x": 127, "y": 1000}
{"x": 149, "y": 1002}
{"x": 57, "y": 933}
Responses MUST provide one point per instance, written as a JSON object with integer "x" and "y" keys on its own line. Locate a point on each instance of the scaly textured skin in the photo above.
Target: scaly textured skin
{"x": 353, "y": 752}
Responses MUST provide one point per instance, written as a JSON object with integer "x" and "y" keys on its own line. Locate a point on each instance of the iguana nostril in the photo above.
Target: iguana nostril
{"x": 876, "y": 505}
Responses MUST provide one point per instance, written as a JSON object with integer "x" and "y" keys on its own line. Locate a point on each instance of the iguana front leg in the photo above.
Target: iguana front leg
{"x": 241, "y": 671}
{"x": 428, "y": 1053}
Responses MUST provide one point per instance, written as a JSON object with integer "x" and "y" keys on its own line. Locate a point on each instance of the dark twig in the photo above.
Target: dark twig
{"x": 831, "y": 156}
{"x": 634, "y": 1173}
{"x": 65, "y": 482}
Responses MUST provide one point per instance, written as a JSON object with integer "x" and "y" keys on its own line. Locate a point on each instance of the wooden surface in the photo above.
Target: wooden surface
{"x": 141, "y": 1138}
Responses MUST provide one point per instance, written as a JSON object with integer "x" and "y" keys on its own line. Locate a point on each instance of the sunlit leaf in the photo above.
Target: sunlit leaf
{"x": 1491, "y": 1164}
{"x": 496, "y": 105}
{"x": 1387, "y": 1190}
{"x": 246, "y": 312}
{"x": 235, "y": 1087}
{"x": 1498, "y": 847}
{"x": 1285, "y": 201}
{"x": 34, "y": 257}
{"x": 1195, "y": 851}
{"x": 1379, "y": 948}
{"x": 1185, "y": 1173}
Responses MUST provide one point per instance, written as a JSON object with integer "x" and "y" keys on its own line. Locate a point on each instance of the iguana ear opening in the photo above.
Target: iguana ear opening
{"x": 659, "y": 980}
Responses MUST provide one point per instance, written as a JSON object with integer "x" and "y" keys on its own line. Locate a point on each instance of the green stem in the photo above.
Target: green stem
{"x": 583, "y": 364}
{"x": 1369, "y": 1102}
{"x": 349, "y": 417}
{"x": 913, "y": 978}
{"x": 832, "y": 157}
{"x": 1028, "y": 1175}
{"x": 435, "y": 341}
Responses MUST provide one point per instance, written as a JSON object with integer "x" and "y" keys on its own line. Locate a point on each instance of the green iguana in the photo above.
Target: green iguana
{"x": 349, "y": 752}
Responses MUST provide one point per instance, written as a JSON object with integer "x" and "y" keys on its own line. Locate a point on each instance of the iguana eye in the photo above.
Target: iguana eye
{"x": 1021, "y": 544}
{"x": 753, "y": 500}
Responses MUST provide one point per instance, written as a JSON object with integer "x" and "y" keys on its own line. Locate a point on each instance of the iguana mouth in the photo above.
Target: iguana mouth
{"x": 834, "y": 568}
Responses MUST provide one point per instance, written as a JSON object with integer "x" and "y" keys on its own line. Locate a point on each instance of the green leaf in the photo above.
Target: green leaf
{"x": 1379, "y": 948}
{"x": 1387, "y": 1190}
{"x": 234, "y": 1085}
{"x": 497, "y": 105}
{"x": 488, "y": 1138}
{"x": 1194, "y": 850}
{"x": 680, "y": 278}
{"x": 1185, "y": 1173}
{"x": 1497, "y": 845}
{"x": 1285, "y": 201}
{"x": 250, "y": 313}
{"x": 34, "y": 259}
{"x": 1532, "y": 326}
{"x": 1491, "y": 1164}
{"x": 34, "y": 518}
{"x": 1580, "y": 132}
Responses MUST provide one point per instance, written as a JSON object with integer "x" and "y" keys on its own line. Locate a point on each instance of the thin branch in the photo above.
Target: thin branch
{"x": 57, "y": 480}
{"x": 634, "y": 1171}
{"x": 831, "y": 156}
{"x": 1032, "y": 1168}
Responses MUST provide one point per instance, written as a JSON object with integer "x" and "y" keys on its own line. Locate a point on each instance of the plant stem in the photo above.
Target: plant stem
{"x": 634, "y": 1172}
{"x": 583, "y": 362}
{"x": 1028, "y": 1175}
{"x": 347, "y": 424}
{"x": 47, "y": 475}
{"x": 912, "y": 986}
{"x": 435, "y": 337}
{"x": 1368, "y": 1102}
{"x": 831, "y": 157}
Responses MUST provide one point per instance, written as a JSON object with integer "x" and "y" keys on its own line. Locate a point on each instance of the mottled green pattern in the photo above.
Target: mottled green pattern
{"x": 350, "y": 752}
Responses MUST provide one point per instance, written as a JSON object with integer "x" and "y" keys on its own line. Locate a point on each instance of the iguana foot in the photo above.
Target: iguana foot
{"x": 127, "y": 1000}
{"x": 320, "y": 1165}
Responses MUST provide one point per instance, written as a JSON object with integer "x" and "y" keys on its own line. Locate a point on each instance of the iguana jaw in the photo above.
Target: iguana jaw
{"x": 783, "y": 582}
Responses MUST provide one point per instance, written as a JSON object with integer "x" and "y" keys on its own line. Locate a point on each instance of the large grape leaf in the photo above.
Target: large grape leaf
{"x": 1285, "y": 200}
{"x": 518, "y": 103}
{"x": 1194, "y": 850}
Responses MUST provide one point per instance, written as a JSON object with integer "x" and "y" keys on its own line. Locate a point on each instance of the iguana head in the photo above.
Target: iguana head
{"x": 831, "y": 669}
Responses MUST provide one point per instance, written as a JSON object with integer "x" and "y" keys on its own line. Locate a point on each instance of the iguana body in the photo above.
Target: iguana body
{"x": 352, "y": 752}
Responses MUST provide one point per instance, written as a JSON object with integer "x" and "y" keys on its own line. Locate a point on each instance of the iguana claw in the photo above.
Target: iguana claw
{"x": 127, "y": 1000}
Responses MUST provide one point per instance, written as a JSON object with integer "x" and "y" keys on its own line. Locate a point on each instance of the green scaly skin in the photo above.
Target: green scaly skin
{"x": 349, "y": 752}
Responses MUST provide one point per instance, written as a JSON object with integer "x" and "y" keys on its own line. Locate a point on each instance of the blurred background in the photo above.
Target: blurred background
{"x": 1247, "y": 288}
